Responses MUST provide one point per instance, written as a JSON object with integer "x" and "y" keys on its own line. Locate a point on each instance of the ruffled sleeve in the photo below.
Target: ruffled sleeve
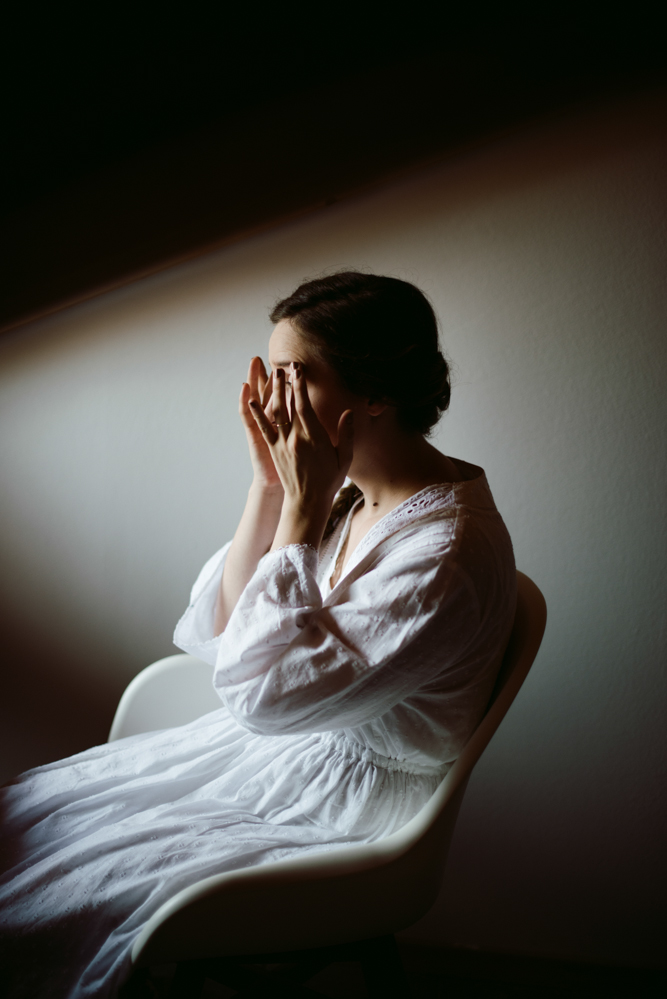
{"x": 194, "y": 631}
{"x": 289, "y": 662}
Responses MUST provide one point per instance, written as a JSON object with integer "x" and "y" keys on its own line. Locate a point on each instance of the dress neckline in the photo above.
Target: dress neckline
{"x": 422, "y": 503}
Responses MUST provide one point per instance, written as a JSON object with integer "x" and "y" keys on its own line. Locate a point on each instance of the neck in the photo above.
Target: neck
{"x": 390, "y": 465}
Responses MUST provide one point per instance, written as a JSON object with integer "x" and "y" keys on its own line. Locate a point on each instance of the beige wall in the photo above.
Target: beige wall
{"x": 123, "y": 468}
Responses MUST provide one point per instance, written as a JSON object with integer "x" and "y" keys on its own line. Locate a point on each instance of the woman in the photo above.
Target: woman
{"x": 355, "y": 634}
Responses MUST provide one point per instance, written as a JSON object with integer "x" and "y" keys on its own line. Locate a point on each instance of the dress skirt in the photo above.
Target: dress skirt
{"x": 93, "y": 845}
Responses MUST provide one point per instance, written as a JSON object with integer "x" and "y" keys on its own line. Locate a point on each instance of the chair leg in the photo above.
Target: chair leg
{"x": 383, "y": 969}
{"x": 188, "y": 981}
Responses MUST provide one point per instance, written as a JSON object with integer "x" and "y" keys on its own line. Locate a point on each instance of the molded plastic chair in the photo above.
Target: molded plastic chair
{"x": 345, "y": 904}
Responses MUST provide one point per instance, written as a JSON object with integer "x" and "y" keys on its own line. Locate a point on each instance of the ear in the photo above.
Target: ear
{"x": 374, "y": 408}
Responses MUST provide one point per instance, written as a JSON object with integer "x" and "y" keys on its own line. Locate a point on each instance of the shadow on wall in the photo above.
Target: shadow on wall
{"x": 112, "y": 410}
{"x": 48, "y": 698}
{"x": 125, "y": 468}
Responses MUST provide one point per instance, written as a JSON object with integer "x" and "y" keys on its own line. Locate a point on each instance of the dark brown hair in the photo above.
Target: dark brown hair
{"x": 381, "y": 337}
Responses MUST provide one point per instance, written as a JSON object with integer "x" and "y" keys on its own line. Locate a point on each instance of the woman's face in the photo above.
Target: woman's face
{"x": 328, "y": 397}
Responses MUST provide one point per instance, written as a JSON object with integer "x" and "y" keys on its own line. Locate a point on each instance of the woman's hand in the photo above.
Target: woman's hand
{"x": 309, "y": 466}
{"x": 257, "y": 527}
{"x": 258, "y": 390}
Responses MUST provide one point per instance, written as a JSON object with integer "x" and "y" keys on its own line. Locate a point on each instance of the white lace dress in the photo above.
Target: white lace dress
{"x": 341, "y": 711}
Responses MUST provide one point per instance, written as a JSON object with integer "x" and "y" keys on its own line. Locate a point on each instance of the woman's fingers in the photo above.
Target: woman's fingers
{"x": 244, "y": 399}
{"x": 267, "y": 391}
{"x": 302, "y": 404}
{"x": 260, "y": 388}
{"x": 281, "y": 415}
{"x": 252, "y": 378}
{"x": 262, "y": 379}
{"x": 258, "y": 379}
{"x": 261, "y": 419}
{"x": 248, "y": 394}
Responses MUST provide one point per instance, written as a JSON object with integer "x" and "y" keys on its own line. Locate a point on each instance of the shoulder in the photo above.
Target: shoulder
{"x": 449, "y": 523}
{"x": 440, "y": 512}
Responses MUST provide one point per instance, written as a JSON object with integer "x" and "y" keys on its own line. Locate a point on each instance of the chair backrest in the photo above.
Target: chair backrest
{"x": 433, "y": 826}
{"x": 350, "y": 893}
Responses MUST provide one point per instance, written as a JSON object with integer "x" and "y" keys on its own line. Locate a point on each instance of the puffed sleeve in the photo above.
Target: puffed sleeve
{"x": 289, "y": 662}
{"x": 194, "y": 631}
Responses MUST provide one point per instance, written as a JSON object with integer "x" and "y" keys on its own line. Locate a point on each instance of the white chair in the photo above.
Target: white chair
{"x": 341, "y": 905}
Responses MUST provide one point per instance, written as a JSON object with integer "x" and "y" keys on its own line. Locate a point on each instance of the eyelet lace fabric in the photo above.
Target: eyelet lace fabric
{"x": 339, "y": 714}
{"x": 432, "y": 499}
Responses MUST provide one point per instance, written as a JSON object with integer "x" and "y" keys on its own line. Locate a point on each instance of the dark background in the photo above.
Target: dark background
{"x": 138, "y": 134}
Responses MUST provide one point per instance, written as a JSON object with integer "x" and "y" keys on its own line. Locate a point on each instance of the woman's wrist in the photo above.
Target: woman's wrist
{"x": 301, "y": 524}
{"x": 267, "y": 492}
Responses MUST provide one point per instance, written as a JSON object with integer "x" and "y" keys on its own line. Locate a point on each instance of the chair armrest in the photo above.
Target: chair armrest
{"x": 169, "y": 692}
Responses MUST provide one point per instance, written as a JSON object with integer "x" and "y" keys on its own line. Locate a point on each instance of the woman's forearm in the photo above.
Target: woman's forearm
{"x": 302, "y": 523}
{"x": 253, "y": 539}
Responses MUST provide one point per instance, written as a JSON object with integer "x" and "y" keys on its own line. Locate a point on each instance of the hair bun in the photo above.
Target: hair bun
{"x": 381, "y": 337}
